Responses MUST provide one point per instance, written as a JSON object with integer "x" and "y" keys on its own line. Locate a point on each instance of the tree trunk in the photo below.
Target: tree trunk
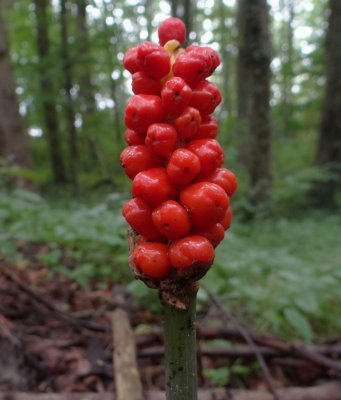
{"x": 13, "y": 140}
{"x": 174, "y": 8}
{"x": 182, "y": 9}
{"x": 287, "y": 65}
{"x": 46, "y": 86}
{"x": 87, "y": 90}
{"x": 68, "y": 102}
{"x": 253, "y": 79}
{"x": 328, "y": 155}
{"x": 149, "y": 16}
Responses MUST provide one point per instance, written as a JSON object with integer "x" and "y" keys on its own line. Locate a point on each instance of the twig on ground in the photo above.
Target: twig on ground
{"x": 328, "y": 391}
{"x": 230, "y": 317}
{"x": 48, "y": 305}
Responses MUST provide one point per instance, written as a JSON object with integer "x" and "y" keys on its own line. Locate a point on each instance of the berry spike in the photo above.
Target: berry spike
{"x": 181, "y": 192}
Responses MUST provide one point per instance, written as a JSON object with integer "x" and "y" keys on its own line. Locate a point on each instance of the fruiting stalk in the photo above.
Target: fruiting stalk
{"x": 180, "y": 351}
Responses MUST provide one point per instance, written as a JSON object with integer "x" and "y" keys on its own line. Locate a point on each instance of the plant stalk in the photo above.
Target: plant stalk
{"x": 180, "y": 351}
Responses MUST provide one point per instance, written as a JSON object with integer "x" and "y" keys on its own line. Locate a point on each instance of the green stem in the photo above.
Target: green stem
{"x": 180, "y": 349}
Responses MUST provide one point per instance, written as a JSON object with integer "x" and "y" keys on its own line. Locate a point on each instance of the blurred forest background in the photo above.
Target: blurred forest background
{"x": 62, "y": 96}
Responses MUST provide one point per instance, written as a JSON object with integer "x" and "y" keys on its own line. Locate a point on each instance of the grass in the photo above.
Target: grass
{"x": 281, "y": 275}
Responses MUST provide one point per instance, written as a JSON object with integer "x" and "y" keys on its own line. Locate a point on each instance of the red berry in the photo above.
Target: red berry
{"x": 208, "y": 129}
{"x": 162, "y": 138}
{"x": 135, "y": 159}
{"x": 142, "y": 83}
{"x": 171, "y": 220}
{"x": 210, "y": 55}
{"x": 188, "y": 122}
{"x": 191, "y": 251}
{"x": 153, "y": 186}
{"x": 224, "y": 178}
{"x": 131, "y": 61}
{"x": 205, "y": 97}
{"x": 191, "y": 68}
{"x": 152, "y": 259}
{"x": 133, "y": 138}
{"x": 172, "y": 28}
{"x": 214, "y": 233}
{"x": 227, "y": 220}
{"x": 143, "y": 110}
{"x": 210, "y": 154}
{"x": 205, "y": 202}
{"x": 154, "y": 59}
{"x": 175, "y": 95}
{"x": 183, "y": 166}
{"x": 139, "y": 217}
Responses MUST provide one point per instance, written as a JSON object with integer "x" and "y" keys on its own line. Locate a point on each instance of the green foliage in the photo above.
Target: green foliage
{"x": 285, "y": 274}
{"x": 222, "y": 376}
{"x": 218, "y": 376}
{"x": 86, "y": 243}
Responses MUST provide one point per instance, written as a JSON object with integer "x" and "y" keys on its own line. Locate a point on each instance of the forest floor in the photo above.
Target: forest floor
{"x": 55, "y": 336}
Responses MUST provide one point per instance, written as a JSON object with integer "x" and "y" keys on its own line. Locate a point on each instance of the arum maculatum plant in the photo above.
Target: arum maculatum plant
{"x": 180, "y": 206}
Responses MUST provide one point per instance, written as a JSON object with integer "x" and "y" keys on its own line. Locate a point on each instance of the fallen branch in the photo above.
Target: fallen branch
{"x": 228, "y": 315}
{"x": 327, "y": 391}
{"x": 241, "y": 351}
{"x": 48, "y": 305}
{"x": 296, "y": 349}
{"x": 126, "y": 374}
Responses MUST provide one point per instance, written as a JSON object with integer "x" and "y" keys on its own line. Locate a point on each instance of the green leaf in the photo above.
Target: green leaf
{"x": 299, "y": 323}
{"x": 218, "y": 376}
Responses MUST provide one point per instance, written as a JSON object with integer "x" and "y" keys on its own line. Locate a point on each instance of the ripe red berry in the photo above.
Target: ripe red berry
{"x": 211, "y": 56}
{"x": 154, "y": 186}
{"x": 135, "y": 159}
{"x": 210, "y": 154}
{"x": 133, "y": 138}
{"x": 175, "y": 95}
{"x": 143, "y": 110}
{"x": 183, "y": 166}
{"x": 208, "y": 129}
{"x": 227, "y": 220}
{"x": 162, "y": 138}
{"x": 139, "y": 217}
{"x": 154, "y": 59}
{"x": 191, "y": 251}
{"x": 152, "y": 259}
{"x": 224, "y": 178}
{"x": 214, "y": 233}
{"x": 171, "y": 220}
{"x": 205, "y": 202}
{"x": 188, "y": 122}
{"x": 171, "y": 28}
{"x": 191, "y": 68}
{"x": 205, "y": 97}
{"x": 131, "y": 61}
{"x": 142, "y": 83}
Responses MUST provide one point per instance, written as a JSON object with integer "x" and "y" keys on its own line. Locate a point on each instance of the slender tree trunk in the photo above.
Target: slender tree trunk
{"x": 287, "y": 66}
{"x": 69, "y": 110}
{"x": 149, "y": 17}
{"x": 114, "y": 84}
{"x": 13, "y": 140}
{"x": 183, "y": 9}
{"x": 328, "y": 154}
{"x": 174, "y": 8}
{"x": 87, "y": 90}
{"x": 224, "y": 54}
{"x": 254, "y": 96}
{"x": 47, "y": 91}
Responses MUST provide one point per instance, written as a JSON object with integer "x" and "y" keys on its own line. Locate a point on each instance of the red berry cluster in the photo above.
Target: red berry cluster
{"x": 181, "y": 194}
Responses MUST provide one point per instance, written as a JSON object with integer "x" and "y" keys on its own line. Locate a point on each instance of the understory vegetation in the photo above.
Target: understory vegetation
{"x": 281, "y": 274}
